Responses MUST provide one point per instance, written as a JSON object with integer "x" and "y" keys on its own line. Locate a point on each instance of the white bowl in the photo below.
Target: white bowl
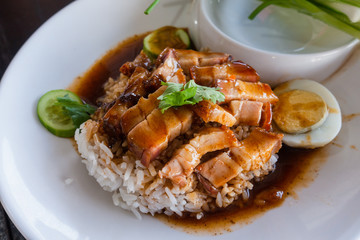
{"x": 280, "y": 44}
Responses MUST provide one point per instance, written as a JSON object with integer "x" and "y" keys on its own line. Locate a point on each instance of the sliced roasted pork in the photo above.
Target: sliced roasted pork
{"x": 178, "y": 77}
{"x": 246, "y": 112}
{"x": 151, "y": 136}
{"x": 187, "y": 157}
{"x": 266, "y": 116}
{"x": 240, "y": 90}
{"x": 140, "y": 111}
{"x": 135, "y": 87}
{"x": 219, "y": 170}
{"x": 211, "y": 112}
{"x": 167, "y": 66}
{"x": 188, "y": 58}
{"x": 142, "y": 60}
{"x": 255, "y": 150}
{"x": 252, "y": 113}
{"x": 145, "y": 106}
{"x": 251, "y": 154}
{"x": 207, "y": 75}
{"x": 112, "y": 119}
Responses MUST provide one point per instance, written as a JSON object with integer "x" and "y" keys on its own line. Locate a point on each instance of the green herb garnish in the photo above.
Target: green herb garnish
{"x": 332, "y": 12}
{"x": 150, "y": 8}
{"x": 177, "y": 94}
{"x": 78, "y": 112}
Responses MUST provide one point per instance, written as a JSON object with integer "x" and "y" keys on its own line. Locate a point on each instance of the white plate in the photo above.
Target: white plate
{"x": 34, "y": 164}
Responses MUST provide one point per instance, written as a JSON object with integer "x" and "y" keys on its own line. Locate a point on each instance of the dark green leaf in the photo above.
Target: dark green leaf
{"x": 172, "y": 87}
{"x": 177, "y": 95}
{"x": 78, "y": 112}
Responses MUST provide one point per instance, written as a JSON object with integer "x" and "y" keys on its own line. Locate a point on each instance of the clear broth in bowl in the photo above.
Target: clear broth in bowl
{"x": 275, "y": 29}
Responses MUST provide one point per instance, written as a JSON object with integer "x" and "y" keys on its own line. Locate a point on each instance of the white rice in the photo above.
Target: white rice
{"x": 140, "y": 190}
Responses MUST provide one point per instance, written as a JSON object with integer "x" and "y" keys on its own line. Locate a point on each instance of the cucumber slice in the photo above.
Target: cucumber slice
{"x": 167, "y": 36}
{"x": 52, "y": 116}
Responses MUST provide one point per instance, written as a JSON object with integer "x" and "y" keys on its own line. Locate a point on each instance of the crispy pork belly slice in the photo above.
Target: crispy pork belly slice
{"x": 178, "y": 77}
{"x": 255, "y": 150}
{"x": 112, "y": 118}
{"x": 252, "y": 153}
{"x": 211, "y": 112}
{"x": 246, "y": 112}
{"x": 185, "y": 115}
{"x": 142, "y": 60}
{"x": 167, "y": 65}
{"x": 219, "y": 170}
{"x": 187, "y": 157}
{"x": 188, "y": 58}
{"x": 213, "y": 191}
{"x": 266, "y": 116}
{"x": 213, "y": 139}
{"x": 135, "y": 87}
{"x": 240, "y": 90}
{"x": 206, "y": 76}
{"x": 140, "y": 111}
{"x": 150, "y": 137}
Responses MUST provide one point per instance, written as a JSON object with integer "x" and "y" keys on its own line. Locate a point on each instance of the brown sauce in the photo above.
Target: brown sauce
{"x": 350, "y": 117}
{"x": 295, "y": 168}
{"x": 89, "y": 85}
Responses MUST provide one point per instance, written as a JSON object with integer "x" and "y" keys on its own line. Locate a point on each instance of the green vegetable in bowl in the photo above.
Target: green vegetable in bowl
{"x": 349, "y": 8}
{"x": 177, "y": 94}
{"x": 340, "y": 14}
{"x": 150, "y": 8}
{"x": 62, "y": 111}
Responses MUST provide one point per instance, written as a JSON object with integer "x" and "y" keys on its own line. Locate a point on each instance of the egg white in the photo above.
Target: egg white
{"x": 328, "y": 130}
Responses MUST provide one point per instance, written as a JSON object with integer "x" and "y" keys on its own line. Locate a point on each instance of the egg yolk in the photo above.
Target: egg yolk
{"x": 299, "y": 111}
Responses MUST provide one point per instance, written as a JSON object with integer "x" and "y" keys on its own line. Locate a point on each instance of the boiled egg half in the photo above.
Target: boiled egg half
{"x": 307, "y": 114}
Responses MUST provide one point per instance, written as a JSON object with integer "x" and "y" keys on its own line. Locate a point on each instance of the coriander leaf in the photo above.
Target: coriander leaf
{"x": 78, "y": 112}
{"x": 187, "y": 93}
{"x": 177, "y": 95}
{"x": 177, "y": 99}
{"x": 164, "y": 105}
{"x": 190, "y": 84}
{"x": 172, "y": 87}
{"x": 212, "y": 94}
